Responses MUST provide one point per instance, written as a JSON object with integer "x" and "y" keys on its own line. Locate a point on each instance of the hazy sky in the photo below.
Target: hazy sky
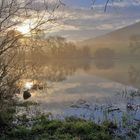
{"x": 77, "y": 20}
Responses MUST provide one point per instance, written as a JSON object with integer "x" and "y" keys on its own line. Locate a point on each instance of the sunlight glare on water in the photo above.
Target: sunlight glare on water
{"x": 28, "y": 85}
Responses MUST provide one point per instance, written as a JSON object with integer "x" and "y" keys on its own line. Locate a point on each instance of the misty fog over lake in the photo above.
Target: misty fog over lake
{"x": 70, "y": 70}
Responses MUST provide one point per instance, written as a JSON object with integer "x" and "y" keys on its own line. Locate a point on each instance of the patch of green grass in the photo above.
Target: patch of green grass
{"x": 69, "y": 129}
{"x": 26, "y": 104}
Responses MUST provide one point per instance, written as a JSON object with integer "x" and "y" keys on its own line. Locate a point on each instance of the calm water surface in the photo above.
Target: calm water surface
{"x": 75, "y": 87}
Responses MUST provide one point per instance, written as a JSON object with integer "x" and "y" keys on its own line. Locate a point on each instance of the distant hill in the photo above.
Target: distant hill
{"x": 118, "y": 40}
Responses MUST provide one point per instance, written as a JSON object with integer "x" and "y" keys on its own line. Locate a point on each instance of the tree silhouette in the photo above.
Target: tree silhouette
{"x": 14, "y": 44}
{"x": 134, "y": 44}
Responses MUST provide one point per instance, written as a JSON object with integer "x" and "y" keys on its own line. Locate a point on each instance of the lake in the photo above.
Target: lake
{"x": 88, "y": 87}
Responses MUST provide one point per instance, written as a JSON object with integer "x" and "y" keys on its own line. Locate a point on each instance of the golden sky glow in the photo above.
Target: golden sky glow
{"x": 28, "y": 85}
{"x": 24, "y": 29}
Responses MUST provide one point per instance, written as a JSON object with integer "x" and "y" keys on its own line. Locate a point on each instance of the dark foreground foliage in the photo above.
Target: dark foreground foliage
{"x": 42, "y": 128}
{"x": 45, "y": 127}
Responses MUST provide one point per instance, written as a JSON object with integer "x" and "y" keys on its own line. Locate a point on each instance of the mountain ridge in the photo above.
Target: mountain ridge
{"x": 119, "y": 41}
{"x": 120, "y": 35}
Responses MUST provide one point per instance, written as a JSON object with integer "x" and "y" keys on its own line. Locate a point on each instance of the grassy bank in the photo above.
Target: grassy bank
{"x": 42, "y": 128}
{"x": 45, "y": 127}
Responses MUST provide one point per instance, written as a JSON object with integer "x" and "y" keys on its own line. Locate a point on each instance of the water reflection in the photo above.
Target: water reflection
{"x": 121, "y": 71}
{"x": 87, "y": 87}
{"x": 134, "y": 44}
{"x": 58, "y": 70}
{"x": 104, "y": 64}
{"x": 134, "y": 74}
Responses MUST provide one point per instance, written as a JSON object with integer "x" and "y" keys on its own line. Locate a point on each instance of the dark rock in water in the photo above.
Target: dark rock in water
{"x": 26, "y": 95}
{"x": 130, "y": 106}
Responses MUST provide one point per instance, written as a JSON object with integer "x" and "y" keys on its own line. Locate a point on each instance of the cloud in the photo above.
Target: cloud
{"x": 81, "y": 13}
{"x": 52, "y": 28}
{"x": 105, "y": 27}
{"x": 95, "y": 22}
{"x": 117, "y": 4}
{"x": 82, "y": 22}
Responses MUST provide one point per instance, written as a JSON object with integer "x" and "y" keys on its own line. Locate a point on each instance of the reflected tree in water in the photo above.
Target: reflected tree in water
{"x": 104, "y": 58}
{"x": 56, "y": 59}
{"x": 56, "y": 70}
{"x": 134, "y": 44}
{"x": 134, "y": 74}
{"x": 104, "y": 64}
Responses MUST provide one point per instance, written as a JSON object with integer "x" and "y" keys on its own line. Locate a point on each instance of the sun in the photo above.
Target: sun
{"x": 27, "y": 27}
{"x": 28, "y": 85}
{"x": 24, "y": 29}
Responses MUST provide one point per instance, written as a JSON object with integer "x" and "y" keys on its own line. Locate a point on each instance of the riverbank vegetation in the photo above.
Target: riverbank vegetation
{"x": 43, "y": 128}
{"x": 39, "y": 126}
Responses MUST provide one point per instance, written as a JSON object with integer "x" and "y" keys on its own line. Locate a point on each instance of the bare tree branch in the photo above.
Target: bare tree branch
{"x": 12, "y": 42}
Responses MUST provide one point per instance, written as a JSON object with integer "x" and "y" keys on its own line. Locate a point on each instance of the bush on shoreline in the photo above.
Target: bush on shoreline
{"x": 42, "y": 128}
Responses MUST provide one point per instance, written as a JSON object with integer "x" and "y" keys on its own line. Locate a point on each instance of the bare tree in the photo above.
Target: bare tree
{"x": 13, "y": 43}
